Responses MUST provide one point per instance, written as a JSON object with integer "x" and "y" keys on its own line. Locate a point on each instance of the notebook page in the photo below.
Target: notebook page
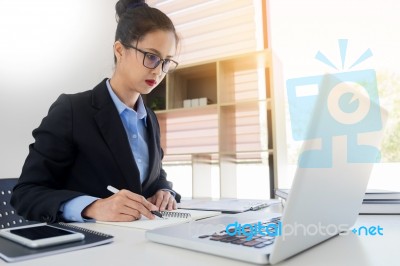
{"x": 146, "y": 224}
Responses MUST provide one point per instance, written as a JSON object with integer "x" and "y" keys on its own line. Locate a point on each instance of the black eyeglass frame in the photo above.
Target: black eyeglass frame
{"x": 159, "y": 61}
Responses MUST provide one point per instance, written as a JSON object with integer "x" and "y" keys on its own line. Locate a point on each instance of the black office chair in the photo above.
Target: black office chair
{"x": 8, "y": 216}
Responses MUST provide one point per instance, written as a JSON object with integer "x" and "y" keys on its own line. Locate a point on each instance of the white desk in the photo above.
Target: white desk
{"x": 131, "y": 248}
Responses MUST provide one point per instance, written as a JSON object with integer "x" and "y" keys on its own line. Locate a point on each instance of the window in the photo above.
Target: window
{"x": 299, "y": 29}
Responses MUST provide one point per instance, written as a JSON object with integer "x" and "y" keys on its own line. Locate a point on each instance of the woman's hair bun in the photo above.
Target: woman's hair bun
{"x": 122, "y": 6}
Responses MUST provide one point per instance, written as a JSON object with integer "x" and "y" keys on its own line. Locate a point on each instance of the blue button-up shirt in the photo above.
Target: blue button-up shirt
{"x": 135, "y": 126}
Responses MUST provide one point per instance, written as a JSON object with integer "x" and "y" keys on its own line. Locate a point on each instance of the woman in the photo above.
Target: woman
{"x": 105, "y": 136}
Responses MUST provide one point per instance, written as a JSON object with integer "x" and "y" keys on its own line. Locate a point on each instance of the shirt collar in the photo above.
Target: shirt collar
{"x": 141, "y": 109}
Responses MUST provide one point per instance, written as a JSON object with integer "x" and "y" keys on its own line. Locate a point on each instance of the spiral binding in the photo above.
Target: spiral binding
{"x": 175, "y": 214}
{"x": 78, "y": 228}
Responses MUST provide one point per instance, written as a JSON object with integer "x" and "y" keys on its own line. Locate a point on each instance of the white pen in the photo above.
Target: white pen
{"x": 115, "y": 191}
{"x": 112, "y": 189}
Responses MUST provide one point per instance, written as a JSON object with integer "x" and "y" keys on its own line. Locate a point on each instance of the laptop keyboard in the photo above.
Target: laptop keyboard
{"x": 256, "y": 241}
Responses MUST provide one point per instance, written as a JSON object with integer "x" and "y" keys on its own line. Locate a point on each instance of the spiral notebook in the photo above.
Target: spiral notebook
{"x": 170, "y": 218}
{"x": 12, "y": 252}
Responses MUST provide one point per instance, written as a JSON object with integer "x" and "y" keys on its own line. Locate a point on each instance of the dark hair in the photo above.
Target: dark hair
{"x": 136, "y": 19}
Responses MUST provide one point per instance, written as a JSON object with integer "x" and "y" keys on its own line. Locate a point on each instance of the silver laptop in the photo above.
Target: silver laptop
{"x": 324, "y": 200}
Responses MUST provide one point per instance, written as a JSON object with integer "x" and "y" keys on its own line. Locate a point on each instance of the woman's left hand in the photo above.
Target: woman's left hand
{"x": 164, "y": 200}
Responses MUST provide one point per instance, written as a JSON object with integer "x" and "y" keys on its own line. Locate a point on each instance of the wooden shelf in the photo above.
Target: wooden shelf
{"x": 235, "y": 128}
{"x": 192, "y": 83}
{"x": 243, "y": 127}
{"x": 243, "y": 78}
{"x": 187, "y": 112}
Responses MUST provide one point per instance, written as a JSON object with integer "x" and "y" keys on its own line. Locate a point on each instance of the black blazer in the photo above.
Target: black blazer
{"x": 80, "y": 148}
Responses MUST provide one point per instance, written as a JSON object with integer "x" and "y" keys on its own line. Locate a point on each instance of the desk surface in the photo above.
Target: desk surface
{"x": 131, "y": 248}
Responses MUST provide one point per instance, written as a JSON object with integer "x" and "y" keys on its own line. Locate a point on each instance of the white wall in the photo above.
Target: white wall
{"x": 47, "y": 47}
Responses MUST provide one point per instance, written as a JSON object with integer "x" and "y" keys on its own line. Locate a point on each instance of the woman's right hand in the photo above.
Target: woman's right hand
{"x": 124, "y": 206}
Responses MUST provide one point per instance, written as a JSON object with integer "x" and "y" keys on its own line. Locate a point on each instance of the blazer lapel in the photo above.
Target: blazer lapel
{"x": 154, "y": 154}
{"x": 112, "y": 129}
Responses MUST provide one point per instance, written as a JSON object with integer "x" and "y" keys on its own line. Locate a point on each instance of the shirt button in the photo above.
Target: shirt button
{"x": 134, "y": 136}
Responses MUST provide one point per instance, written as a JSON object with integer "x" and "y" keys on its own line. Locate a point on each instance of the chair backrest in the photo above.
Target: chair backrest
{"x": 8, "y": 216}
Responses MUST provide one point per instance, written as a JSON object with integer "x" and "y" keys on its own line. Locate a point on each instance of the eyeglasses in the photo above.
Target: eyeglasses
{"x": 152, "y": 61}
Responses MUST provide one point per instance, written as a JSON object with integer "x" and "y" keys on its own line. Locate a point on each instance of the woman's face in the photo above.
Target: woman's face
{"x": 135, "y": 76}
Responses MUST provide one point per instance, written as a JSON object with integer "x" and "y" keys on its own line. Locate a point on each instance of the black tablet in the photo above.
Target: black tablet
{"x": 40, "y": 235}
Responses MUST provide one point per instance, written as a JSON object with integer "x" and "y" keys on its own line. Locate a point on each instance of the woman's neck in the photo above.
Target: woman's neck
{"x": 125, "y": 94}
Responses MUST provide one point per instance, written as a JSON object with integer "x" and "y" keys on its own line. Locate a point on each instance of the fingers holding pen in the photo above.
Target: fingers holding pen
{"x": 138, "y": 202}
{"x": 122, "y": 206}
